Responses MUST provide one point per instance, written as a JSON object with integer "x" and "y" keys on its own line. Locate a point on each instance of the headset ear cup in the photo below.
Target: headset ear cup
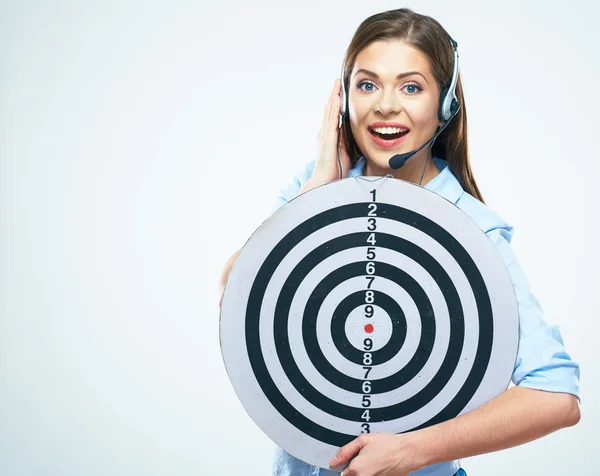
{"x": 441, "y": 116}
{"x": 344, "y": 101}
{"x": 454, "y": 107}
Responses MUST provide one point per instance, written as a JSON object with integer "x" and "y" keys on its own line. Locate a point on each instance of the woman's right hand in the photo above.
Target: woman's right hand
{"x": 327, "y": 168}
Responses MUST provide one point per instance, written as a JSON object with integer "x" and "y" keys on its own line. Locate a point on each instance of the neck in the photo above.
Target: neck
{"x": 419, "y": 169}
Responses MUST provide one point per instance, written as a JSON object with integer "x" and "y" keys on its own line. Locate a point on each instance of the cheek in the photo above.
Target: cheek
{"x": 425, "y": 114}
{"x": 359, "y": 110}
{"x": 358, "y": 126}
{"x": 358, "y": 121}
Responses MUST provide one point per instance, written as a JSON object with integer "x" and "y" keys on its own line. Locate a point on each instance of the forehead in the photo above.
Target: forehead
{"x": 390, "y": 58}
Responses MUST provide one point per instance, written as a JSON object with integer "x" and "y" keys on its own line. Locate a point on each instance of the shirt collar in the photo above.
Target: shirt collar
{"x": 444, "y": 183}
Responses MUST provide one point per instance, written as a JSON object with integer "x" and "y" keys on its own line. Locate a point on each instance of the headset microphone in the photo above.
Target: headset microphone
{"x": 399, "y": 160}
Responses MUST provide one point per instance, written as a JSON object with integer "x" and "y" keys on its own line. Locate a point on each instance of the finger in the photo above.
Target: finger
{"x": 348, "y": 451}
{"x": 339, "y": 93}
{"x": 352, "y": 470}
{"x": 337, "y": 118}
{"x": 327, "y": 109}
{"x": 335, "y": 101}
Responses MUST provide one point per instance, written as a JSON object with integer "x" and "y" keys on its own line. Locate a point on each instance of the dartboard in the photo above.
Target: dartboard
{"x": 366, "y": 305}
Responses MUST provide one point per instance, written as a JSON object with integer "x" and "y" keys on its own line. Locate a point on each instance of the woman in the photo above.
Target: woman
{"x": 395, "y": 69}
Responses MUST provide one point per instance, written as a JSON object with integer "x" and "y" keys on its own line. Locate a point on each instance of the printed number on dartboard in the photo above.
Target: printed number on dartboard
{"x": 369, "y": 311}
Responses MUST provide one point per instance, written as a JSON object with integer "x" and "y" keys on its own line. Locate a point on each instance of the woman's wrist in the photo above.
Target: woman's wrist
{"x": 308, "y": 185}
{"x": 414, "y": 444}
{"x": 313, "y": 182}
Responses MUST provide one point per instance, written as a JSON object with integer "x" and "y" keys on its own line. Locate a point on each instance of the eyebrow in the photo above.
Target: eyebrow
{"x": 400, "y": 76}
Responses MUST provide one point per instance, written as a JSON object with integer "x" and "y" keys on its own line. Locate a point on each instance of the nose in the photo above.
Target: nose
{"x": 388, "y": 103}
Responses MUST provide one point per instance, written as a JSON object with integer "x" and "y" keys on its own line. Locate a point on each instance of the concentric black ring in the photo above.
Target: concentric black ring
{"x": 338, "y": 328}
{"x": 309, "y": 327}
{"x": 452, "y": 246}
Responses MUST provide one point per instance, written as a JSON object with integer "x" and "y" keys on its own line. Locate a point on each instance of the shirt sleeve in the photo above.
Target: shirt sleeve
{"x": 542, "y": 360}
{"x": 292, "y": 189}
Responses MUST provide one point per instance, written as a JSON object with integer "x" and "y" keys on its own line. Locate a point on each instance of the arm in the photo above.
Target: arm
{"x": 517, "y": 416}
{"x": 225, "y": 274}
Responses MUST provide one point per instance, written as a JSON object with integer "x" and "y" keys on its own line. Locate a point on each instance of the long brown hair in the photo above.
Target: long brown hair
{"x": 429, "y": 37}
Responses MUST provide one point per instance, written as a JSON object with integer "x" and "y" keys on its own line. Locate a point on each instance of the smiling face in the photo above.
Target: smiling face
{"x": 393, "y": 103}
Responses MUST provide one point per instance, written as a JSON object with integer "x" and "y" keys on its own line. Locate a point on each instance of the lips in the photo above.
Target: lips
{"x": 388, "y": 134}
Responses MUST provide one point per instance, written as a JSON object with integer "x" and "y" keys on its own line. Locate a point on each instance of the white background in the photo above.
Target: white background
{"x": 141, "y": 143}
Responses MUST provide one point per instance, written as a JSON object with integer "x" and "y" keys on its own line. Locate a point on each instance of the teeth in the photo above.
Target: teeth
{"x": 388, "y": 130}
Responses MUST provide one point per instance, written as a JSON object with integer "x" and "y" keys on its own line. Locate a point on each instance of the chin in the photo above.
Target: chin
{"x": 381, "y": 157}
{"x": 381, "y": 160}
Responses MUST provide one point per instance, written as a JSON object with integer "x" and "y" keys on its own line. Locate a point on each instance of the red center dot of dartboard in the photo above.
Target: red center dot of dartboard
{"x": 369, "y": 328}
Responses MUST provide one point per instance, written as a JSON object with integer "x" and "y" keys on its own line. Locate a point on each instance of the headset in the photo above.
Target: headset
{"x": 448, "y": 107}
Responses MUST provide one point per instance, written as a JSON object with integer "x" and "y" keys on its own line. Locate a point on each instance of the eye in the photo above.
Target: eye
{"x": 366, "y": 83}
{"x": 412, "y": 88}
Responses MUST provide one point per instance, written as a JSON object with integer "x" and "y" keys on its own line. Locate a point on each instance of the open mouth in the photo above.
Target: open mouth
{"x": 388, "y": 133}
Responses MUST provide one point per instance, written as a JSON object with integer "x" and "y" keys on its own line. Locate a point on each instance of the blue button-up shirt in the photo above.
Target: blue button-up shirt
{"x": 542, "y": 362}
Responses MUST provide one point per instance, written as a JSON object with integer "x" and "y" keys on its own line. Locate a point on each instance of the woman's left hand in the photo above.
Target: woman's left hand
{"x": 378, "y": 454}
